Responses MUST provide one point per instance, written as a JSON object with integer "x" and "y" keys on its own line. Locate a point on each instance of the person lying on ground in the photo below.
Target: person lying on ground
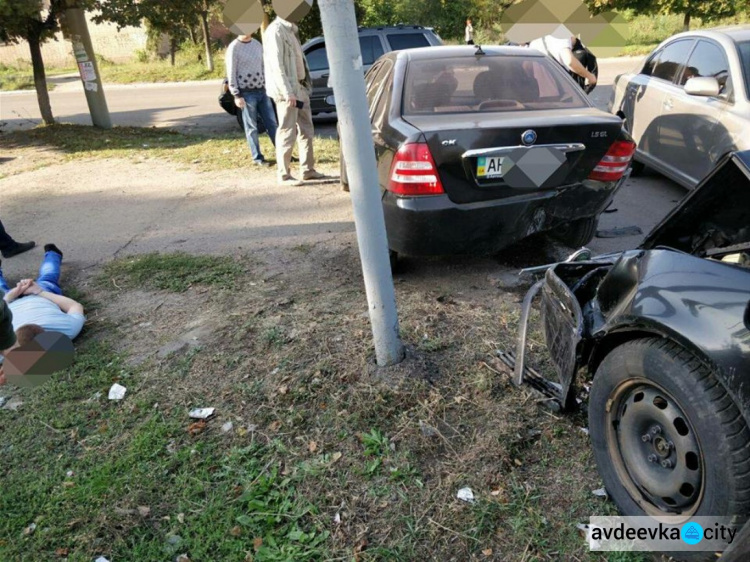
{"x": 41, "y": 304}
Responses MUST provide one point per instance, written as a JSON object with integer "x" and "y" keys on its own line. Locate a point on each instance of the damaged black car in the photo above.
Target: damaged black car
{"x": 664, "y": 334}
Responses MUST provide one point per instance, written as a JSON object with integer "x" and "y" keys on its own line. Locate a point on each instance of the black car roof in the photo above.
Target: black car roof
{"x": 447, "y": 51}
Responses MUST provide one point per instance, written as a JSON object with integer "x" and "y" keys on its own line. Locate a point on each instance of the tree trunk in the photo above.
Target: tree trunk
{"x": 207, "y": 41}
{"x": 686, "y": 22}
{"x": 192, "y": 35}
{"x": 40, "y": 79}
{"x": 172, "y": 49}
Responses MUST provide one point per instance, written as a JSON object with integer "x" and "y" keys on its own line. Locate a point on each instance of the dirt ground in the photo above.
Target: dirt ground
{"x": 288, "y": 352}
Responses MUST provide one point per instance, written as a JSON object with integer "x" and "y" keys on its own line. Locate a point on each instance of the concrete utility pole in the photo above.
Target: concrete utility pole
{"x": 76, "y": 29}
{"x": 347, "y": 79}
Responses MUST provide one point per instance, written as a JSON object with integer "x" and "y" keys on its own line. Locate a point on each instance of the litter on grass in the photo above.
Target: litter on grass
{"x": 202, "y": 413}
{"x": 465, "y": 494}
{"x": 117, "y": 392}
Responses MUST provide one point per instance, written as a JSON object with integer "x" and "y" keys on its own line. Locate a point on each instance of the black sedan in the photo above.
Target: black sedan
{"x": 480, "y": 147}
{"x": 665, "y": 332}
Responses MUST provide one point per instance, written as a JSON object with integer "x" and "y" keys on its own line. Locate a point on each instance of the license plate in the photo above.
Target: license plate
{"x": 490, "y": 166}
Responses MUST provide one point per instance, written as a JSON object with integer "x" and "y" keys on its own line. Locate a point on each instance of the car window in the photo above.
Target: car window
{"x": 400, "y": 41}
{"x": 648, "y": 68}
{"x": 317, "y": 58}
{"x": 744, "y": 52}
{"x": 382, "y": 97}
{"x": 373, "y": 78}
{"x": 708, "y": 59}
{"x": 371, "y": 48}
{"x": 671, "y": 60}
{"x": 488, "y": 84}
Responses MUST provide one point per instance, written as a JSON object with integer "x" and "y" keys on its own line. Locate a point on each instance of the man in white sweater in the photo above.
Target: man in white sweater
{"x": 247, "y": 83}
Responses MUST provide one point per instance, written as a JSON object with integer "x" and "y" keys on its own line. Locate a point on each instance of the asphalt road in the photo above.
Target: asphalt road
{"x": 192, "y": 107}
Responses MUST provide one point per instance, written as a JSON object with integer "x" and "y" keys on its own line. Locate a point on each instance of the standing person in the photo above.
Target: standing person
{"x": 561, "y": 50}
{"x": 289, "y": 84}
{"x": 469, "y": 33}
{"x": 9, "y": 247}
{"x": 245, "y": 73}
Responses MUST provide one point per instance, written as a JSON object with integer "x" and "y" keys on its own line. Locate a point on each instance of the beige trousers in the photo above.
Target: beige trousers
{"x": 294, "y": 124}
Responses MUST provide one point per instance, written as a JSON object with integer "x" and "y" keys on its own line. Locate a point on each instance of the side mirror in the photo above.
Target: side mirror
{"x": 706, "y": 86}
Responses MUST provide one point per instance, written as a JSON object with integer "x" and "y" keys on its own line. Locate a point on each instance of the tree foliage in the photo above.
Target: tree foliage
{"x": 703, "y": 9}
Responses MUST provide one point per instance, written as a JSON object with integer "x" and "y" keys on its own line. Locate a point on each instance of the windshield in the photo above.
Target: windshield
{"x": 488, "y": 84}
{"x": 744, "y": 50}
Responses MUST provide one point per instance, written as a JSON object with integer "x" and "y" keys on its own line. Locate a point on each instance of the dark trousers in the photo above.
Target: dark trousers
{"x": 6, "y": 242}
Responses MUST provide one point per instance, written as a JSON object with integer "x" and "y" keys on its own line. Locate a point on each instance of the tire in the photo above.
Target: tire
{"x": 577, "y": 233}
{"x": 393, "y": 258}
{"x": 640, "y": 392}
{"x": 637, "y": 168}
{"x": 342, "y": 173}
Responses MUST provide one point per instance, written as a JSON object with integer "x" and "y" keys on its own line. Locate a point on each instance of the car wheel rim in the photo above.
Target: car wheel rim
{"x": 654, "y": 449}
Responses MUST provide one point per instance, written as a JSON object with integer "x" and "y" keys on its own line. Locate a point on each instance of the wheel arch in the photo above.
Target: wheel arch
{"x": 617, "y": 337}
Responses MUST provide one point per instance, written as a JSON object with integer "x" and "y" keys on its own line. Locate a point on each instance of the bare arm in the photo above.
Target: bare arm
{"x": 66, "y": 304}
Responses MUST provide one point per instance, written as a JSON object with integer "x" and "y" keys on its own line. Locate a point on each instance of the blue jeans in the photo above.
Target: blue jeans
{"x": 49, "y": 274}
{"x": 257, "y": 102}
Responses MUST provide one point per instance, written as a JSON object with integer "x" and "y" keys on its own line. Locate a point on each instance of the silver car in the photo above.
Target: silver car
{"x": 688, "y": 105}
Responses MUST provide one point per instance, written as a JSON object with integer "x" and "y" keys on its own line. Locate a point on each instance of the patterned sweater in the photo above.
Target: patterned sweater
{"x": 244, "y": 62}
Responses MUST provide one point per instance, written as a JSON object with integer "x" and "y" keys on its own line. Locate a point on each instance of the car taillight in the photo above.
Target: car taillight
{"x": 615, "y": 162}
{"x": 413, "y": 171}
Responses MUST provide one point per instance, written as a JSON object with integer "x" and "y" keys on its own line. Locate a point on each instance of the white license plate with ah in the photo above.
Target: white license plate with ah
{"x": 491, "y": 166}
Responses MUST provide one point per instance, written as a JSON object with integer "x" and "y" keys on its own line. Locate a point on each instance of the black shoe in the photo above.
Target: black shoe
{"x": 52, "y": 248}
{"x": 19, "y": 248}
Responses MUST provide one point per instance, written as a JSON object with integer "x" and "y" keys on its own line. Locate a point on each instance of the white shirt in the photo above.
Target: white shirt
{"x": 554, "y": 47}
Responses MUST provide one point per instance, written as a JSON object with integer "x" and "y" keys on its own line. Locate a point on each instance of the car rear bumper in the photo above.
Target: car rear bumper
{"x": 318, "y": 103}
{"x": 435, "y": 225}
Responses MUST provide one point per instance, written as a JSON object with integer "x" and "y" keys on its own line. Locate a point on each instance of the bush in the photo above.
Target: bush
{"x": 142, "y": 55}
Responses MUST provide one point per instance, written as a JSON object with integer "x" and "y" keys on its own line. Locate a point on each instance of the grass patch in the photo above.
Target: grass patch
{"x": 175, "y": 272}
{"x": 321, "y": 461}
{"x": 21, "y": 76}
{"x": 219, "y": 152}
{"x": 183, "y": 70}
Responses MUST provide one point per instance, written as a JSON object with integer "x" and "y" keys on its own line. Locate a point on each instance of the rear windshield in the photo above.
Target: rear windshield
{"x": 488, "y": 84}
{"x": 744, "y": 50}
{"x": 400, "y": 41}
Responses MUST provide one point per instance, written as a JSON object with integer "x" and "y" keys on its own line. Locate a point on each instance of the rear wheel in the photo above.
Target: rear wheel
{"x": 637, "y": 168}
{"x": 342, "y": 173}
{"x": 577, "y": 233}
{"x": 393, "y": 258}
{"x": 667, "y": 437}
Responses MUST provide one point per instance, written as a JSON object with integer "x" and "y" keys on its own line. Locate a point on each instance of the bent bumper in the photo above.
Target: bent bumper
{"x": 435, "y": 225}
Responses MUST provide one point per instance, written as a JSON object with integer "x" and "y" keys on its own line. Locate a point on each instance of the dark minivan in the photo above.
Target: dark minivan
{"x": 374, "y": 42}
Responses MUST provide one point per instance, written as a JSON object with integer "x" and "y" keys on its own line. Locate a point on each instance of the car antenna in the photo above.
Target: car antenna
{"x": 479, "y": 51}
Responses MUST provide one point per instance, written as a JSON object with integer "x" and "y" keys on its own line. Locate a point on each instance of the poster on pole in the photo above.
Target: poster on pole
{"x": 88, "y": 74}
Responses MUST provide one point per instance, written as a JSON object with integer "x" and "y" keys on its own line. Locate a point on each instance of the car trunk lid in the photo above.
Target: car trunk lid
{"x": 714, "y": 216}
{"x": 482, "y": 156}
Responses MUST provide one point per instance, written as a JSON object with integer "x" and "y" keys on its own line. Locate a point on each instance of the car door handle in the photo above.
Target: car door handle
{"x": 669, "y": 104}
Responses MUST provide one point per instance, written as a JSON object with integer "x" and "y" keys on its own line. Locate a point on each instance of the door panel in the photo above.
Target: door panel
{"x": 689, "y": 124}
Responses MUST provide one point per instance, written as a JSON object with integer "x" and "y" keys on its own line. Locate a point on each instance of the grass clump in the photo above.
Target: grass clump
{"x": 215, "y": 153}
{"x": 175, "y": 272}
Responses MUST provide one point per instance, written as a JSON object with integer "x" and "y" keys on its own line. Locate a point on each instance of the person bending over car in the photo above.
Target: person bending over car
{"x": 561, "y": 50}
{"x": 39, "y": 305}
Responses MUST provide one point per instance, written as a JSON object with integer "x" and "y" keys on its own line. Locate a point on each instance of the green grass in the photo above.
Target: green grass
{"x": 175, "y": 272}
{"x": 161, "y": 71}
{"x": 21, "y": 77}
{"x": 322, "y": 463}
{"x": 219, "y": 152}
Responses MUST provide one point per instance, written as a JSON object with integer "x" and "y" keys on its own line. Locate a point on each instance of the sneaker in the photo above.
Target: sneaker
{"x": 19, "y": 248}
{"x": 52, "y": 248}
{"x": 289, "y": 180}
{"x": 263, "y": 163}
{"x": 313, "y": 175}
